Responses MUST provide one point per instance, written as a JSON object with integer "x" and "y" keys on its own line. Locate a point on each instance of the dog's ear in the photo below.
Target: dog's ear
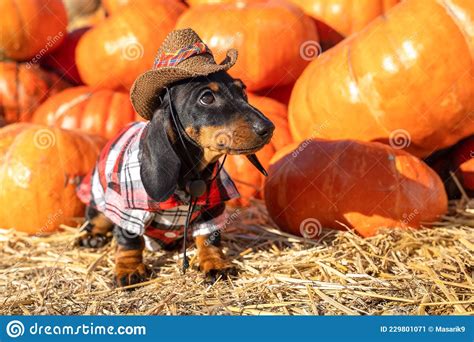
{"x": 160, "y": 165}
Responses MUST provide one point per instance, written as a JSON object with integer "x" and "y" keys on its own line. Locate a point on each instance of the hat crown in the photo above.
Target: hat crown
{"x": 182, "y": 55}
{"x": 180, "y": 47}
{"x": 179, "y": 39}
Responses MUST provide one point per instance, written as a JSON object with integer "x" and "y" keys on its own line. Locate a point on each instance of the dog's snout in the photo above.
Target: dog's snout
{"x": 263, "y": 128}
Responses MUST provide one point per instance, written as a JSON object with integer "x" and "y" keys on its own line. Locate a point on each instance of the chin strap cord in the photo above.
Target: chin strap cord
{"x": 192, "y": 205}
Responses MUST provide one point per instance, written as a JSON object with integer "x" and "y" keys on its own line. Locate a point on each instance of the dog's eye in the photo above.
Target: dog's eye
{"x": 207, "y": 98}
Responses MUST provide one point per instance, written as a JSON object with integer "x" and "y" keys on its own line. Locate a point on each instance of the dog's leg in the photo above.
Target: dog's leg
{"x": 129, "y": 267}
{"x": 212, "y": 260}
{"x": 98, "y": 230}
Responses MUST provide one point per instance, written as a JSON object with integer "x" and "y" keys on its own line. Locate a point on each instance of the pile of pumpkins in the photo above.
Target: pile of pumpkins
{"x": 360, "y": 92}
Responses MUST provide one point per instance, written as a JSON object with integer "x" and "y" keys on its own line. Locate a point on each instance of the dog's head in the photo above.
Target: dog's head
{"x": 214, "y": 112}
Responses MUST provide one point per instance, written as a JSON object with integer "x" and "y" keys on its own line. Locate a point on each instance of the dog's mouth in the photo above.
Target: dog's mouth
{"x": 245, "y": 150}
{"x": 229, "y": 150}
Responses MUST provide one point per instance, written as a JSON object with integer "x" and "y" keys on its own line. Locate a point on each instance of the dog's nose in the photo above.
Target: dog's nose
{"x": 263, "y": 128}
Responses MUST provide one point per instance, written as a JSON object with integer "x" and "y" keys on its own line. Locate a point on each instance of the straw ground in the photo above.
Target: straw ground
{"x": 414, "y": 272}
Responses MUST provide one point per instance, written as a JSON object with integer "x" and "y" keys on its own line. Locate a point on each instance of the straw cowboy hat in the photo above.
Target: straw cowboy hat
{"x": 182, "y": 55}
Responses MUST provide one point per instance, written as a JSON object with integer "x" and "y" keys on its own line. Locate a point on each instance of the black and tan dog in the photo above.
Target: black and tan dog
{"x": 140, "y": 187}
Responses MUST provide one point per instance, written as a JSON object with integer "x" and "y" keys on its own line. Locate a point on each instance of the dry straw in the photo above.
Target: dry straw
{"x": 415, "y": 272}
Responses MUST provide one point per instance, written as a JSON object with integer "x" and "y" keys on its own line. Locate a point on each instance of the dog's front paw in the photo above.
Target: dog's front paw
{"x": 215, "y": 265}
{"x": 93, "y": 240}
{"x": 130, "y": 275}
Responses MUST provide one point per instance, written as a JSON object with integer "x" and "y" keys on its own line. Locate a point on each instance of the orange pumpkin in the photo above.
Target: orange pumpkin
{"x": 345, "y": 16}
{"x": 115, "y": 6}
{"x": 345, "y": 183}
{"x": 31, "y": 27}
{"x": 248, "y": 180}
{"x": 270, "y": 53}
{"x": 102, "y": 112}
{"x": 40, "y": 168}
{"x": 24, "y": 88}
{"x": 386, "y": 84}
{"x": 207, "y": 2}
{"x": 117, "y": 50}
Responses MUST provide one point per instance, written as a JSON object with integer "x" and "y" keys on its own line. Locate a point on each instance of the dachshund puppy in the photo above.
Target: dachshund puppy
{"x": 139, "y": 188}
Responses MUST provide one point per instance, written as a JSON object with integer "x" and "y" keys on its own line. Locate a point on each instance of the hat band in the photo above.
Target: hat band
{"x": 174, "y": 58}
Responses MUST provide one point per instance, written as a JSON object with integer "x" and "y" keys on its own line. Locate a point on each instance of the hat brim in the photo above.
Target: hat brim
{"x": 146, "y": 89}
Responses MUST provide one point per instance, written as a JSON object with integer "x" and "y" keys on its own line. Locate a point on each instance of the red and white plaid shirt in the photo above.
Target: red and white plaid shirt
{"x": 115, "y": 188}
